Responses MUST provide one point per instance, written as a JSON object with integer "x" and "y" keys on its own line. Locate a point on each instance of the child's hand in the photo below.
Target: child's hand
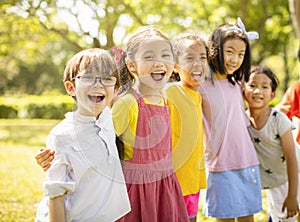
{"x": 44, "y": 158}
{"x": 291, "y": 204}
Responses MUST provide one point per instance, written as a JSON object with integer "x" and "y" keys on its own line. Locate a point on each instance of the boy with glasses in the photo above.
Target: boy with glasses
{"x": 85, "y": 181}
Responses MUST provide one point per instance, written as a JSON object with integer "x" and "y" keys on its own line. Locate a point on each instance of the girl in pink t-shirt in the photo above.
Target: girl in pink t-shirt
{"x": 234, "y": 190}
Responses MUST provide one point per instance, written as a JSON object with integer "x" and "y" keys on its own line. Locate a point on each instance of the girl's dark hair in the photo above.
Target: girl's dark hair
{"x": 216, "y": 43}
{"x": 268, "y": 72}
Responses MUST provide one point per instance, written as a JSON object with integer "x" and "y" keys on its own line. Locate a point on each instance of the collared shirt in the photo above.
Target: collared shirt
{"x": 87, "y": 168}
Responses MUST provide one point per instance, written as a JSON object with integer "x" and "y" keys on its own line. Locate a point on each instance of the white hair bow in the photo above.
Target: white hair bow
{"x": 241, "y": 27}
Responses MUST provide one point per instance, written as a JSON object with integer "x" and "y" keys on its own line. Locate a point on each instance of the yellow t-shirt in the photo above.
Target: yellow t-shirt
{"x": 187, "y": 137}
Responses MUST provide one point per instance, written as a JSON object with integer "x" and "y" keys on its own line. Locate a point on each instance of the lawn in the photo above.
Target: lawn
{"x": 21, "y": 177}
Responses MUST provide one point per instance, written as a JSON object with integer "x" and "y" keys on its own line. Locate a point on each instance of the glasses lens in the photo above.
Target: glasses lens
{"x": 91, "y": 80}
{"x": 108, "y": 81}
{"x": 87, "y": 80}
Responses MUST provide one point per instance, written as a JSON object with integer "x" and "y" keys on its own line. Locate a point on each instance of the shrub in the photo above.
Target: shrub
{"x": 48, "y": 111}
{"x": 8, "y": 112}
{"x": 35, "y": 107}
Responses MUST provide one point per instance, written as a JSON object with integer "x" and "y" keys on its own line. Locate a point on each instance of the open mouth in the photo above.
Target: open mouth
{"x": 97, "y": 98}
{"x": 197, "y": 76}
{"x": 257, "y": 99}
{"x": 158, "y": 76}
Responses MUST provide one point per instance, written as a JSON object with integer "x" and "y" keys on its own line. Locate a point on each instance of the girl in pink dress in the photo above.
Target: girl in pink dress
{"x": 142, "y": 124}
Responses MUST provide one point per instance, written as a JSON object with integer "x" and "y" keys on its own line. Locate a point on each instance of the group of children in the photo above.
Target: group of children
{"x": 173, "y": 138}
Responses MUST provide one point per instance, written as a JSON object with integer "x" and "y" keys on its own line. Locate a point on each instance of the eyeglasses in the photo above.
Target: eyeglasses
{"x": 87, "y": 80}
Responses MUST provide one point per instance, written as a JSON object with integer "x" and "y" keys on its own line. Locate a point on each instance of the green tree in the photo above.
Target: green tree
{"x": 38, "y": 36}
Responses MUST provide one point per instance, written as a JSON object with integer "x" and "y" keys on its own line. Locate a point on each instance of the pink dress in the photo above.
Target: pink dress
{"x": 152, "y": 186}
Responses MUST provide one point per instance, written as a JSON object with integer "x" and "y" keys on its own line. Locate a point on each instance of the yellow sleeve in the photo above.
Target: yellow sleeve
{"x": 125, "y": 114}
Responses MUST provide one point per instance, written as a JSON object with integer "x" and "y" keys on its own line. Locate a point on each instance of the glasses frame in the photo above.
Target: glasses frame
{"x": 95, "y": 78}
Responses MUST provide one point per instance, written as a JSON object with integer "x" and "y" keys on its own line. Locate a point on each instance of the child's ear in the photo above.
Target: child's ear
{"x": 131, "y": 66}
{"x": 117, "y": 89}
{"x": 70, "y": 88}
{"x": 273, "y": 94}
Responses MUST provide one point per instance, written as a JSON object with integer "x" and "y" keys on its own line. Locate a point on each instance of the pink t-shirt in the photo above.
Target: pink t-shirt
{"x": 228, "y": 145}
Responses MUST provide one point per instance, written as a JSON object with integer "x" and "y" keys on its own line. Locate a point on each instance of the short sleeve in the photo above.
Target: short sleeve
{"x": 283, "y": 123}
{"x": 122, "y": 113}
{"x": 290, "y": 101}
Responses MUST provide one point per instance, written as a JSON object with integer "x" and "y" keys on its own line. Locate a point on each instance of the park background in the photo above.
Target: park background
{"x": 37, "y": 38}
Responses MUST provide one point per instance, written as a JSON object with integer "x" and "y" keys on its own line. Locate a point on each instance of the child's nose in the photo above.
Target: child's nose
{"x": 158, "y": 63}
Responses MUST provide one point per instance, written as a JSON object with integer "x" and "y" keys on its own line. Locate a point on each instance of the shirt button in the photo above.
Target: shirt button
{"x": 254, "y": 181}
{"x": 253, "y": 170}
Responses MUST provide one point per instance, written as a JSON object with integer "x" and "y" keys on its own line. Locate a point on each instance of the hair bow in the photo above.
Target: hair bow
{"x": 241, "y": 26}
{"x": 119, "y": 52}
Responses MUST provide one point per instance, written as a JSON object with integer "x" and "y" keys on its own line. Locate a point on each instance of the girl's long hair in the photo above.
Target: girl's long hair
{"x": 216, "y": 43}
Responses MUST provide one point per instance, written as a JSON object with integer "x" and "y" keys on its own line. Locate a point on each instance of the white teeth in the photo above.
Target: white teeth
{"x": 158, "y": 72}
{"x": 100, "y": 94}
{"x": 257, "y": 98}
{"x": 197, "y": 73}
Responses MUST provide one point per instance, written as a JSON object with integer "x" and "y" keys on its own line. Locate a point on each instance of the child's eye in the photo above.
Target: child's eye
{"x": 229, "y": 52}
{"x": 189, "y": 58}
{"x": 166, "y": 55}
{"x": 86, "y": 77}
{"x": 148, "y": 57}
{"x": 203, "y": 58}
{"x": 241, "y": 55}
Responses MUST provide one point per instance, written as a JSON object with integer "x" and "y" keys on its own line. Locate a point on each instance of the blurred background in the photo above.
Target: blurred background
{"x": 37, "y": 37}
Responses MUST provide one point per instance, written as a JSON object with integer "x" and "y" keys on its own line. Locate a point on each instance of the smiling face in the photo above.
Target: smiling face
{"x": 153, "y": 63}
{"x": 258, "y": 91}
{"x": 90, "y": 99}
{"x": 192, "y": 64}
{"x": 234, "y": 52}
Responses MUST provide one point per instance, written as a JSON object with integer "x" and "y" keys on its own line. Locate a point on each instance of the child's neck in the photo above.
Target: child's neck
{"x": 150, "y": 94}
{"x": 220, "y": 76}
{"x": 190, "y": 87}
{"x": 259, "y": 117}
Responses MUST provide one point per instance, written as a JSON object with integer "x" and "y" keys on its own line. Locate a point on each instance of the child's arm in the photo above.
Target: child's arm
{"x": 44, "y": 158}
{"x": 57, "y": 209}
{"x": 290, "y": 202}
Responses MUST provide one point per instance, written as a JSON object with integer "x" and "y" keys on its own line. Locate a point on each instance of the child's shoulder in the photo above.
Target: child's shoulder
{"x": 280, "y": 120}
{"x": 127, "y": 97}
{"x": 124, "y": 102}
{"x": 276, "y": 114}
{"x": 171, "y": 86}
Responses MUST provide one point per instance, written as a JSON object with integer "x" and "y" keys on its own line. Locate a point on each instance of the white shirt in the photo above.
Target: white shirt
{"x": 87, "y": 169}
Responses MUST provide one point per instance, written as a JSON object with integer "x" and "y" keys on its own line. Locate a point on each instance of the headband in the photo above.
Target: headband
{"x": 241, "y": 27}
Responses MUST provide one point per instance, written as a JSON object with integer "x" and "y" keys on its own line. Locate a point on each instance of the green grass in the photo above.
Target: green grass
{"x": 21, "y": 178}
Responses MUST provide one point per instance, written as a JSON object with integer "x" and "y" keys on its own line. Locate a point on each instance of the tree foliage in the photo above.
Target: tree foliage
{"x": 37, "y": 37}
